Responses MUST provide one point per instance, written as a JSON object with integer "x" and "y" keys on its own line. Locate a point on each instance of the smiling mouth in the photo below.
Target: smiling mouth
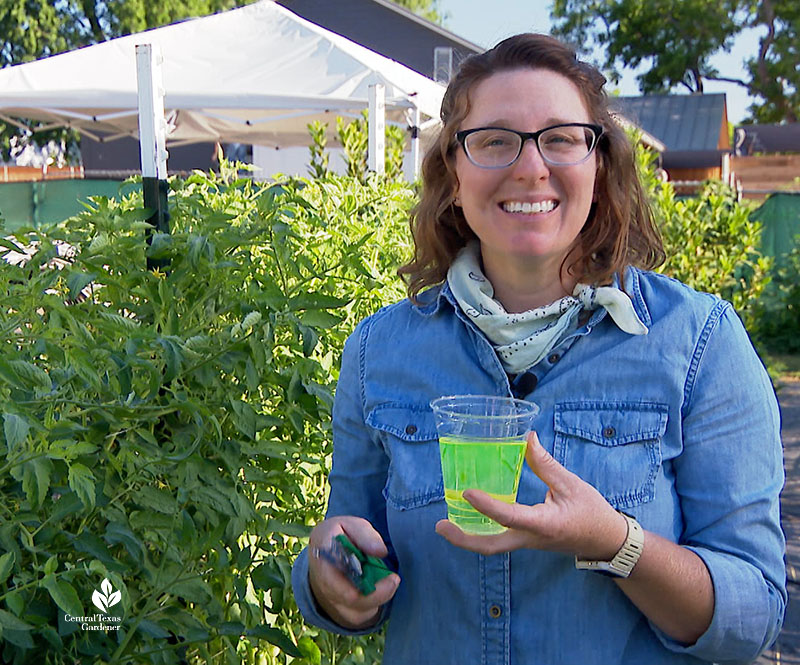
{"x": 528, "y": 208}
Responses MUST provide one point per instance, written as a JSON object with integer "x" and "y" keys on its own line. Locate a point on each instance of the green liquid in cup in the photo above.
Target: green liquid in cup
{"x": 491, "y": 465}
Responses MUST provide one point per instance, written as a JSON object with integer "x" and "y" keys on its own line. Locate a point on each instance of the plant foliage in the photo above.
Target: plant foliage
{"x": 166, "y": 432}
{"x": 710, "y": 241}
{"x": 778, "y": 312}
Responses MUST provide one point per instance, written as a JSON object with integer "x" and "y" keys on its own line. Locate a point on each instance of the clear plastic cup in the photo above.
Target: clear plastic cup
{"x": 482, "y": 446}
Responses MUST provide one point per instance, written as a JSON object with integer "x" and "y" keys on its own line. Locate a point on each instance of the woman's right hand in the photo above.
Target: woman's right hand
{"x": 333, "y": 591}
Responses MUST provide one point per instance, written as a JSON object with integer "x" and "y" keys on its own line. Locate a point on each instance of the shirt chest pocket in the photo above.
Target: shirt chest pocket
{"x": 614, "y": 446}
{"x": 410, "y": 439}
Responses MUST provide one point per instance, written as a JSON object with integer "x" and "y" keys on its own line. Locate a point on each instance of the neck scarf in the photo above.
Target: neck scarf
{"x": 522, "y": 340}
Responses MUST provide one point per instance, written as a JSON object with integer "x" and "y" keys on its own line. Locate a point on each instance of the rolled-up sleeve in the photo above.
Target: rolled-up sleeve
{"x": 357, "y": 477}
{"x": 729, "y": 477}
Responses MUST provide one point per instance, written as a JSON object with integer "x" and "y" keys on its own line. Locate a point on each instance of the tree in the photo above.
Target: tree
{"x": 677, "y": 38}
{"x": 33, "y": 29}
{"x": 428, "y": 9}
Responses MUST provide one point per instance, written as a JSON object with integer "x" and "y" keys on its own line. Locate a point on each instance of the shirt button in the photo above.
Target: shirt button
{"x": 411, "y": 429}
{"x": 553, "y": 358}
{"x": 495, "y": 611}
{"x": 608, "y": 432}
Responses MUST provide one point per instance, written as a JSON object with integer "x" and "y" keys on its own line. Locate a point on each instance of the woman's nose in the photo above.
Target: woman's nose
{"x": 530, "y": 163}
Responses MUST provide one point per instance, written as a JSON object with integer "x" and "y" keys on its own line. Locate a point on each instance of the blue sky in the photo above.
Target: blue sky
{"x": 485, "y": 22}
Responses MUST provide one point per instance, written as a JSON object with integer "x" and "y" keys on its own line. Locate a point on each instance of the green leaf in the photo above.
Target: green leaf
{"x": 153, "y": 629}
{"x": 318, "y": 318}
{"x": 296, "y": 530}
{"x": 65, "y": 505}
{"x": 51, "y": 565}
{"x": 276, "y": 637}
{"x": 310, "y": 650}
{"x": 34, "y": 375}
{"x": 116, "y": 532}
{"x": 195, "y": 591}
{"x": 320, "y": 392}
{"x": 231, "y": 628}
{"x": 9, "y": 622}
{"x": 82, "y": 334}
{"x": 10, "y": 376}
{"x": 216, "y": 499}
{"x": 77, "y": 281}
{"x": 146, "y": 520}
{"x": 316, "y": 301}
{"x": 295, "y": 388}
{"x": 252, "y": 376}
{"x": 122, "y": 322}
{"x": 81, "y": 481}
{"x": 263, "y": 577}
{"x": 244, "y": 417}
{"x": 6, "y": 566}
{"x": 16, "y": 602}
{"x": 157, "y": 499}
{"x": 19, "y": 638}
{"x": 310, "y": 340}
{"x": 69, "y": 449}
{"x": 64, "y": 595}
{"x": 36, "y": 479}
{"x": 16, "y": 429}
{"x": 90, "y": 544}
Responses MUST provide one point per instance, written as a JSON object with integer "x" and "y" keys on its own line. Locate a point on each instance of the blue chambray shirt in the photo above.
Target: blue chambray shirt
{"x": 679, "y": 428}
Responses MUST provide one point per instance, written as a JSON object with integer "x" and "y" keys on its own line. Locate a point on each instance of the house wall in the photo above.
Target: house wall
{"x": 760, "y": 175}
{"x": 384, "y": 28}
{"x": 710, "y": 173}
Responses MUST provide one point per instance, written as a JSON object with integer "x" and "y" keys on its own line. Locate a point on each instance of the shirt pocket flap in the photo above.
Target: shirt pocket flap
{"x": 613, "y": 446}
{"x": 415, "y": 472}
{"x": 410, "y": 424}
{"x": 611, "y": 424}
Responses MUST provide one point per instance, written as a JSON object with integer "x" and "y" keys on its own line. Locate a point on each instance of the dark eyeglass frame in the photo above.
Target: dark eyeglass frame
{"x": 597, "y": 131}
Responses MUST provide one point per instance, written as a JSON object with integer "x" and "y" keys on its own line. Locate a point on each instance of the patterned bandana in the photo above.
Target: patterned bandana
{"x": 522, "y": 340}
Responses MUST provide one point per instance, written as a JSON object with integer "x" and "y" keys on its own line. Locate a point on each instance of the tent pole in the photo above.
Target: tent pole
{"x": 152, "y": 135}
{"x": 376, "y": 150}
{"x": 415, "y": 143}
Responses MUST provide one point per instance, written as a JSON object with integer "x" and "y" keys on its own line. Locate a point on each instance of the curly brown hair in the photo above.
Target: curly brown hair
{"x": 620, "y": 229}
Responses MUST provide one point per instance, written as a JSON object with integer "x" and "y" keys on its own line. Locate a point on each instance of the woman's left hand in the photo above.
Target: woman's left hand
{"x": 574, "y": 518}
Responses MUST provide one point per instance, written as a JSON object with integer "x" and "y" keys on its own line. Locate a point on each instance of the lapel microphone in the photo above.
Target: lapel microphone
{"x": 524, "y": 385}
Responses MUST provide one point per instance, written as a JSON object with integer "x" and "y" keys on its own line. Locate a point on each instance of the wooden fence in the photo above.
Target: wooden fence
{"x": 35, "y": 173}
{"x": 761, "y": 175}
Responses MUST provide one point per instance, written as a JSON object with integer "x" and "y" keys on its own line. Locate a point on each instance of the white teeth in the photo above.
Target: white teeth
{"x": 526, "y": 207}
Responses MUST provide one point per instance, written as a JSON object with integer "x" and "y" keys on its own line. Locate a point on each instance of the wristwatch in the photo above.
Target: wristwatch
{"x": 623, "y": 562}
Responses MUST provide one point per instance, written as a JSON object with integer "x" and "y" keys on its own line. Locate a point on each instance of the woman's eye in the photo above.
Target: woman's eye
{"x": 495, "y": 141}
{"x": 559, "y": 139}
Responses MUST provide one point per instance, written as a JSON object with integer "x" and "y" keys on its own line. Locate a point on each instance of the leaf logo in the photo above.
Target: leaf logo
{"x": 107, "y": 598}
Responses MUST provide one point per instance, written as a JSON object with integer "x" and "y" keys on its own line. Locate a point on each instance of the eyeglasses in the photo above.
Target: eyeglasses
{"x": 560, "y": 145}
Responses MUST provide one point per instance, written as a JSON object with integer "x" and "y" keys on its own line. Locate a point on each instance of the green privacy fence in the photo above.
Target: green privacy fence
{"x": 780, "y": 217}
{"x": 46, "y": 202}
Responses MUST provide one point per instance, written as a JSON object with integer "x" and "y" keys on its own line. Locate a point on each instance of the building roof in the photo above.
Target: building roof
{"x": 681, "y": 122}
{"x": 385, "y": 28}
{"x": 752, "y": 139}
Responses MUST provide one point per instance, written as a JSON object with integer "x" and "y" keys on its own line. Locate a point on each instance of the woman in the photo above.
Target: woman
{"x": 658, "y": 460}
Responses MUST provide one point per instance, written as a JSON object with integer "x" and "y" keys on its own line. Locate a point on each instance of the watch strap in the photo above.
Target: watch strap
{"x": 625, "y": 559}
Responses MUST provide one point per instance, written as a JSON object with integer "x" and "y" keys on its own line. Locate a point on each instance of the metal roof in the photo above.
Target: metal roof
{"x": 681, "y": 122}
{"x": 752, "y": 139}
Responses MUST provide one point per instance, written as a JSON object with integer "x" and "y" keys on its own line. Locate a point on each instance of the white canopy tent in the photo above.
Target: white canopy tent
{"x": 258, "y": 74}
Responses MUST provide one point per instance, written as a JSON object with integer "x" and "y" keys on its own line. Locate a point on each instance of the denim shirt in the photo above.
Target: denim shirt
{"x": 678, "y": 428}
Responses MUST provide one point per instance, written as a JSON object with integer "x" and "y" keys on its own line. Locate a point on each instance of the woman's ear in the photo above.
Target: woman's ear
{"x": 457, "y": 196}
